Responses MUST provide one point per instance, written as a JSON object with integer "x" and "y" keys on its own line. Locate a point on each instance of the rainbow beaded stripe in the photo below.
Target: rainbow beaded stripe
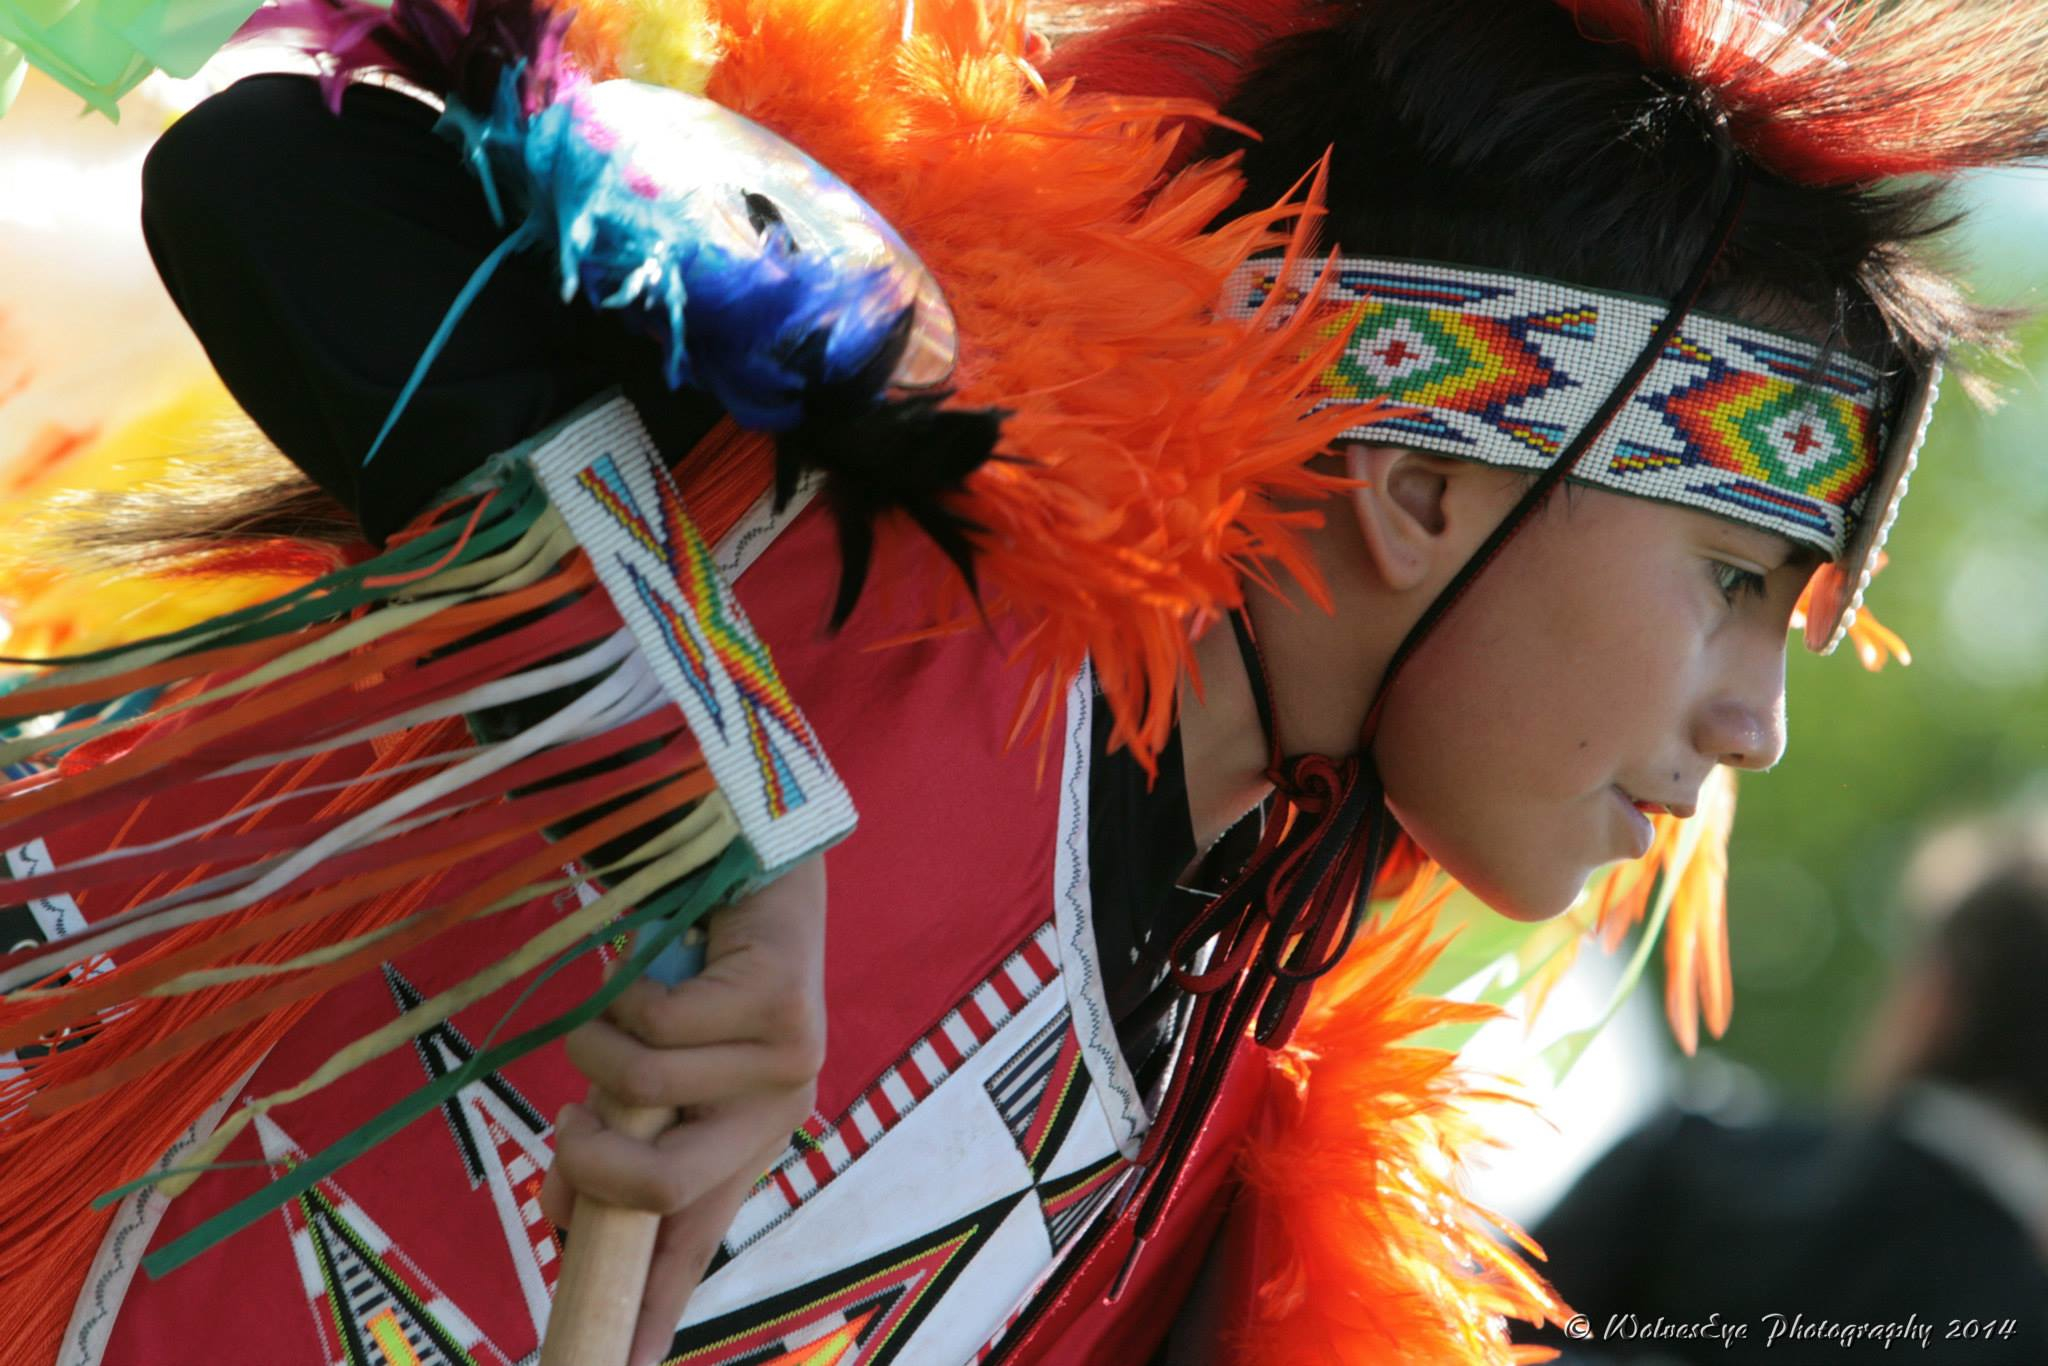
{"x": 605, "y": 476}
{"x": 1733, "y": 420}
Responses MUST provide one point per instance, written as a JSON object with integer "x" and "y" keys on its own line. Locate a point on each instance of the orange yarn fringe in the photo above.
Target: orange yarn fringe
{"x": 1368, "y": 1250}
{"x": 57, "y": 1164}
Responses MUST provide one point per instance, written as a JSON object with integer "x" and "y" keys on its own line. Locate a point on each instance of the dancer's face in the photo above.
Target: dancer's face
{"x": 1615, "y": 652}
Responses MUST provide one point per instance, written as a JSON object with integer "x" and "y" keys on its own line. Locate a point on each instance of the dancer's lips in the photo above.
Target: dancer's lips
{"x": 1678, "y": 809}
{"x": 1641, "y": 833}
{"x": 1640, "y": 809}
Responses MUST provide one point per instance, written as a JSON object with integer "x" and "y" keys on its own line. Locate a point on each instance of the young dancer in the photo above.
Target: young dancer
{"x": 1238, "y": 525}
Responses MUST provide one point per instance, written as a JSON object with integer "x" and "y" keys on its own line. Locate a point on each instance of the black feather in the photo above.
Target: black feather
{"x": 904, "y": 455}
{"x": 881, "y": 456}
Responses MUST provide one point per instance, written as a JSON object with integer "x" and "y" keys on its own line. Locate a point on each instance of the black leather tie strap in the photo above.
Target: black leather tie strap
{"x": 1568, "y": 460}
{"x": 1255, "y": 673}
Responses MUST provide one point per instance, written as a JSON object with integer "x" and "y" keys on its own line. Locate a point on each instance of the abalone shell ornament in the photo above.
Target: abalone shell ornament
{"x": 734, "y": 180}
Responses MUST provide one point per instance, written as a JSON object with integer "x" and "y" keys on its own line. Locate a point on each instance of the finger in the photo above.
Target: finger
{"x": 780, "y": 916}
{"x": 638, "y": 1075}
{"x": 557, "y": 1197}
{"x": 765, "y": 955}
{"x": 698, "y": 1010}
{"x": 677, "y": 1169}
{"x": 751, "y": 993}
{"x": 557, "y": 1201}
{"x": 682, "y": 1253}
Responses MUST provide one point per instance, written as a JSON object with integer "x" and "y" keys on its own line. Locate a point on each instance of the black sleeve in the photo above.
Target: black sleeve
{"x": 314, "y": 255}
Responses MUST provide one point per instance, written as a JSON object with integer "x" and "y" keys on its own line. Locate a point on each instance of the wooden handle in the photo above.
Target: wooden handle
{"x": 604, "y": 1267}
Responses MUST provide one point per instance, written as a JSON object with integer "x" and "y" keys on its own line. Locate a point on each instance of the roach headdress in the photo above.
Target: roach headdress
{"x": 1849, "y": 92}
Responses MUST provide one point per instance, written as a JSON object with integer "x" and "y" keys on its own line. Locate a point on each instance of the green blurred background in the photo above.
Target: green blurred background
{"x": 1876, "y": 759}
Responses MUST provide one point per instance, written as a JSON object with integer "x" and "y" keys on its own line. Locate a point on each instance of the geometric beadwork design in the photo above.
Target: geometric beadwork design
{"x": 606, "y": 478}
{"x": 1788, "y": 444}
{"x": 502, "y": 1139}
{"x": 825, "y": 1148}
{"x": 38, "y": 921}
{"x": 861, "y": 1316}
{"x": 371, "y": 1305}
{"x": 380, "y": 1322}
{"x": 442, "y": 1049}
{"x": 1069, "y": 1204}
{"x": 1071, "y": 1201}
{"x": 1733, "y": 420}
{"x": 771, "y": 719}
{"x": 1039, "y": 1092}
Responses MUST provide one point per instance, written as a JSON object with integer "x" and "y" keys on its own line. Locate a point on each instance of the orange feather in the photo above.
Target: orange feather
{"x": 1151, "y": 448}
{"x": 1368, "y": 1249}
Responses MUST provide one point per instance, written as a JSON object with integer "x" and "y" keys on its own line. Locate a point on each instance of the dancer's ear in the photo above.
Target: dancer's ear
{"x": 1403, "y": 506}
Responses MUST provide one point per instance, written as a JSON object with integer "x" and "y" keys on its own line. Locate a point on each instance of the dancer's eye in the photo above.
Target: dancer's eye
{"x": 1736, "y": 583}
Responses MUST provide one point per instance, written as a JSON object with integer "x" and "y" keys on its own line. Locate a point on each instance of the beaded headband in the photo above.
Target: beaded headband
{"x": 1744, "y": 423}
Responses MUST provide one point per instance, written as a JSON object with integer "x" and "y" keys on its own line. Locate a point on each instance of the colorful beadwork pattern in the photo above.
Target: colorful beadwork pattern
{"x": 603, "y": 472}
{"x": 1507, "y": 369}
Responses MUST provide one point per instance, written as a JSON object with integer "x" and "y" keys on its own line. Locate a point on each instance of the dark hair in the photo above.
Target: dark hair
{"x": 1500, "y": 133}
{"x": 1993, "y": 949}
{"x": 1497, "y": 134}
